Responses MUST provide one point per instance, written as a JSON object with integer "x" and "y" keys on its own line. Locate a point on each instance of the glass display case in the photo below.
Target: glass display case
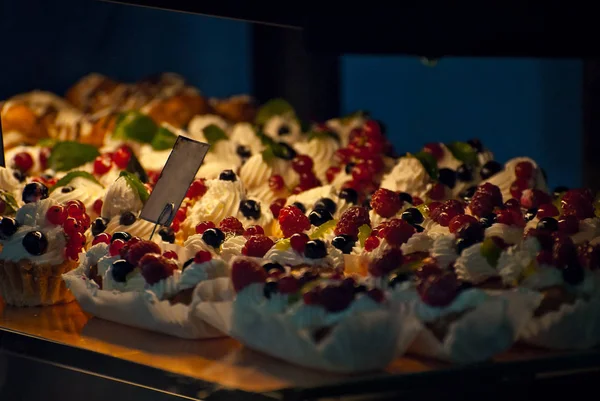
{"x": 509, "y": 77}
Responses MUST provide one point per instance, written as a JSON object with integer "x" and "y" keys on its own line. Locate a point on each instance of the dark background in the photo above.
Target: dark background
{"x": 516, "y": 106}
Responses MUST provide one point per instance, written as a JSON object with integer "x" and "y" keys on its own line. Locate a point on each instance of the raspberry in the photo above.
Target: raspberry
{"x": 102, "y": 238}
{"x": 302, "y": 164}
{"x": 257, "y": 246}
{"x": 139, "y": 249}
{"x": 245, "y": 272}
{"x": 524, "y": 170}
{"x": 372, "y": 129}
{"x": 197, "y": 189}
{"x": 288, "y": 284}
{"x": 446, "y": 211}
{"x": 203, "y": 226}
{"x": 361, "y": 172}
{"x": 577, "y": 203}
{"x": 331, "y": 173}
{"x": 396, "y": 232}
{"x": 388, "y": 262}
{"x": 386, "y": 203}
{"x": 351, "y": 220}
{"x": 375, "y": 164}
{"x": 254, "y": 230}
{"x": 547, "y": 210}
{"x": 460, "y": 220}
{"x": 573, "y": 194}
{"x": 56, "y": 215}
{"x": 435, "y": 149}
{"x": 432, "y": 206}
{"x": 492, "y": 191}
{"x": 485, "y": 199}
{"x": 517, "y": 187}
{"x": 276, "y": 206}
{"x": 342, "y": 156}
{"x": 202, "y": 257}
{"x": 97, "y": 207}
{"x": 533, "y": 198}
{"x": 437, "y": 192}
{"x": 231, "y": 225}
{"x": 371, "y": 243}
{"x": 22, "y": 161}
{"x": 155, "y": 268}
{"x": 102, "y": 165}
{"x": 292, "y": 221}
{"x": 298, "y": 242}
{"x": 181, "y": 214}
{"x": 511, "y": 217}
{"x": 276, "y": 182}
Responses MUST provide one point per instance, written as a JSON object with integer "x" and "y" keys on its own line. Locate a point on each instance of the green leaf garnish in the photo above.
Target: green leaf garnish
{"x": 164, "y": 139}
{"x": 10, "y": 204}
{"x": 363, "y": 233}
{"x": 283, "y": 244}
{"x": 490, "y": 251}
{"x": 464, "y": 152}
{"x": 274, "y": 149}
{"x": 214, "y": 134}
{"x": 323, "y": 229}
{"x": 71, "y": 176}
{"x": 424, "y": 209}
{"x": 429, "y": 163}
{"x": 47, "y": 143}
{"x": 135, "y": 183}
{"x": 69, "y": 155}
{"x": 135, "y": 126}
{"x": 274, "y": 107}
{"x": 323, "y": 135}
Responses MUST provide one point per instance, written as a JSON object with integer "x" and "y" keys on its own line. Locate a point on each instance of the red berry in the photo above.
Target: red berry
{"x": 375, "y": 164}
{"x": 577, "y": 203}
{"x": 302, "y": 164}
{"x": 181, "y": 214}
{"x": 351, "y": 220}
{"x": 512, "y": 203}
{"x": 231, "y": 225}
{"x": 331, "y": 173}
{"x": 276, "y": 182}
{"x": 509, "y": 217}
{"x": 533, "y": 198}
{"x": 102, "y": 165}
{"x": 547, "y": 210}
{"x": 342, "y": 156}
{"x": 116, "y": 246}
{"x": 56, "y": 215}
{"x": 361, "y": 172}
{"x": 437, "y": 192}
{"x": 171, "y": 255}
{"x": 139, "y": 249}
{"x": 74, "y": 210}
{"x": 72, "y": 253}
{"x": 72, "y": 226}
{"x": 524, "y": 170}
{"x": 175, "y": 225}
{"x": 485, "y": 199}
{"x": 312, "y": 297}
{"x": 85, "y": 221}
{"x": 544, "y": 257}
{"x": 254, "y": 230}
{"x": 98, "y": 206}
{"x": 396, "y": 232}
{"x": 386, "y": 203}
{"x": 155, "y": 268}
{"x": 202, "y": 257}
{"x": 439, "y": 290}
{"x": 196, "y": 189}
{"x": 23, "y": 162}
{"x": 459, "y": 221}
{"x": 576, "y": 194}
{"x": 446, "y": 212}
{"x": 102, "y": 238}
{"x": 418, "y": 201}
{"x": 372, "y": 129}
{"x": 376, "y": 295}
{"x": 568, "y": 225}
{"x": 435, "y": 149}
{"x": 276, "y": 206}
{"x": 257, "y": 246}
{"x": 43, "y": 156}
{"x": 517, "y": 187}
{"x": 288, "y": 284}
{"x": 308, "y": 181}
{"x": 298, "y": 242}
{"x": 292, "y": 221}
{"x": 245, "y": 272}
{"x": 371, "y": 243}
{"x": 121, "y": 157}
{"x": 388, "y": 262}
{"x": 77, "y": 240}
{"x": 203, "y": 226}
{"x": 432, "y": 205}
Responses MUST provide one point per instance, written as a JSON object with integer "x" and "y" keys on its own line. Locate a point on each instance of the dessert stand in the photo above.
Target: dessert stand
{"x": 62, "y": 353}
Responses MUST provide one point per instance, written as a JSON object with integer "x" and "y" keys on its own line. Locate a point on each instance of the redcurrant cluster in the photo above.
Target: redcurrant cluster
{"x": 75, "y": 221}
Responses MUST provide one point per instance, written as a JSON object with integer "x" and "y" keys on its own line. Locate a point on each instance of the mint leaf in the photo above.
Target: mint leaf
{"x": 68, "y": 155}
{"x": 268, "y": 154}
{"x": 71, "y": 176}
{"x": 464, "y": 152}
{"x": 136, "y": 184}
{"x": 135, "y": 126}
{"x": 10, "y": 204}
{"x": 47, "y": 143}
{"x": 214, "y": 134}
{"x": 429, "y": 163}
{"x": 275, "y": 149}
{"x": 164, "y": 139}
{"x": 274, "y": 107}
{"x": 323, "y": 135}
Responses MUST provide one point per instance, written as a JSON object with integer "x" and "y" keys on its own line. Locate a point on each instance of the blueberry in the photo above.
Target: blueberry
{"x": 34, "y": 191}
{"x": 405, "y": 197}
{"x": 490, "y": 168}
{"x": 284, "y": 130}
{"x": 120, "y": 269}
{"x": 464, "y": 173}
{"x": 19, "y": 176}
{"x": 327, "y": 204}
{"x": 315, "y": 249}
{"x": 344, "y": 243}
{"x": 213, "y": 237}
{"x": 300, "y": 206}
{"x": 476, "y": 144}
{"x": 127, "y": 219}
{"x": 8, "y": 226}
{"x": 243, "y": 152}
{"x": 419, "y": 228}
{"x": 285, "y": 151}
{"x": 319, "y": 217}
{"x": 125, "y": 236}
{"x": 167, "y": 234}
{"x": 273, "y": 266}
{"x": 471, "y": 232}
{"x": 250, "y": 209}
{"x": 98, "y": 226}
{"x": 573, "y": 273}
{"x": 35, "y": 242}
{"x": 530, "y": 214}
{"x": 349, "y": 195}
{"x": 468, "y": 193}
{"x": 462, "y": 244}
{"x": 367, "y": 202}
{"x": 547, "y": 224}
{"x": 349, "y": 167}
{"x": 227, "y": 175}
{"x": 487, "y": 221}
{"x": 447, "y": 177}
{"x": 187, "y": 264}
{"x": 270, "y": 288}
{"x": 397, "y": 278}
{"x": 67, "y": 189}
{"x": 412, "y": 215}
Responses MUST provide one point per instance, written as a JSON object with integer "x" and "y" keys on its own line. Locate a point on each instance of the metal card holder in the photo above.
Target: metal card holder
{"x": 2, "y": 159}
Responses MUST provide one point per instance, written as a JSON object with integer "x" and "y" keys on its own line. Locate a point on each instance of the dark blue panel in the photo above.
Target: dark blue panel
{"x": 517, "y": 107}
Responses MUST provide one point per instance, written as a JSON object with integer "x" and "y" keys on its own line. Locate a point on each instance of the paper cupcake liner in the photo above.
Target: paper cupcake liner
{"x": 25, "y": 283}
{"x": 140, "y": 309}
{"x": 575, "y": 326}
{"x": 489, "y": 329}
{"x": 363, "y": 342}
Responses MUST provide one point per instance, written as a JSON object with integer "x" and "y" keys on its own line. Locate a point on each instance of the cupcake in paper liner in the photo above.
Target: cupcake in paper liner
{"x": 321, "y": 323}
